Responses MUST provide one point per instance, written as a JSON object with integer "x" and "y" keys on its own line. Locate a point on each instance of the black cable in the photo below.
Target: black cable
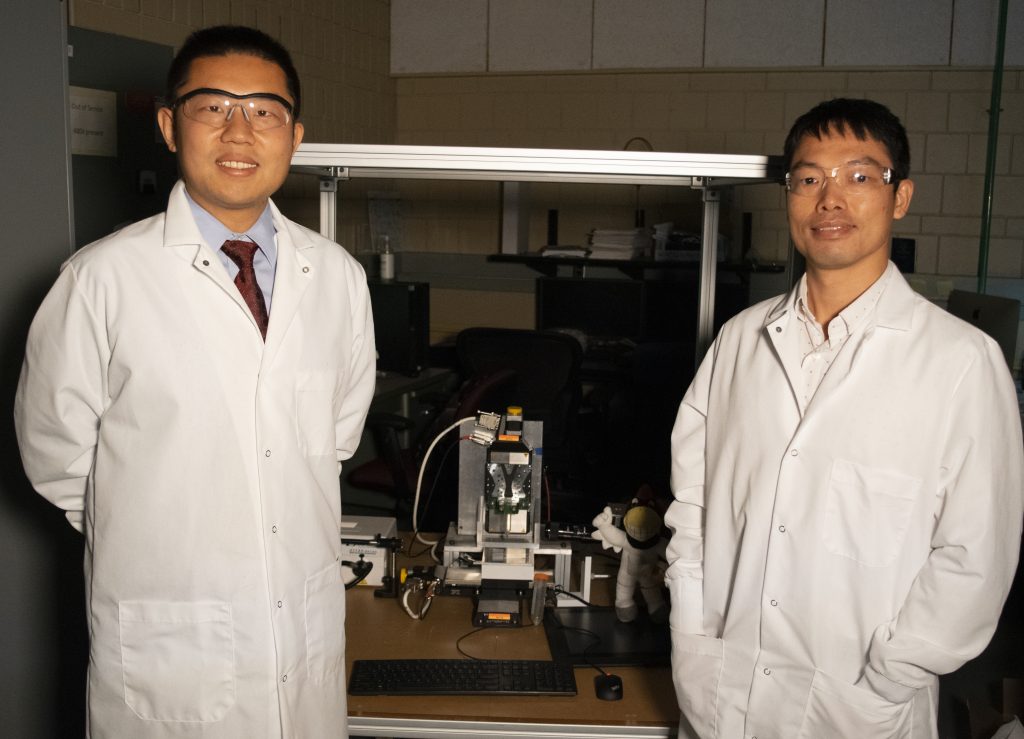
{"x": 597, "y": 640}
{"x": 411, "y": 554}
{"x": 458, "y": 643}
{"x": 559, "y": 590}
{"x": 360, "y": 569}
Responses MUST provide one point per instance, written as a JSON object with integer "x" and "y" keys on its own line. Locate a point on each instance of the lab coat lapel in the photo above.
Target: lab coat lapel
{"x": 781, "y": 329}
{"x": 294, "y": 274}
{"x": 182, "y": 235}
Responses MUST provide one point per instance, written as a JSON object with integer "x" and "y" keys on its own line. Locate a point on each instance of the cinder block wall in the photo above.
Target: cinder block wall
{"x": 341, "y": 51}
{"x": 749, "y": 113}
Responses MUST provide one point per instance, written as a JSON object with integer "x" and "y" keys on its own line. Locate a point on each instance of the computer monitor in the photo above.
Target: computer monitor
{"x": 997, "y": 316}
{"x": 611, "y": 308}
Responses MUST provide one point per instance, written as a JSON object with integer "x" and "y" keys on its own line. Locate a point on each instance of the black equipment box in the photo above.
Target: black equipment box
{"x": 401, "y": 319}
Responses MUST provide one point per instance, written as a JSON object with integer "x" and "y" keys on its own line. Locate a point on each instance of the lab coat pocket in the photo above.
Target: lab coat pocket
{"x": 314, "y": 412}
{"x": 325, "y": 624}
{"x": 177, "y": 659}
{"x": 868, "y": 512}
{"x": 836, "y": 710}
{"x": 696, "y": 670}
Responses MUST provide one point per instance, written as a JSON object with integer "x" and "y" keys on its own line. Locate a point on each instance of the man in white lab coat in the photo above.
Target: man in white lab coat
{"x": 189, "y": 408}
{"x": 847, "y": 472}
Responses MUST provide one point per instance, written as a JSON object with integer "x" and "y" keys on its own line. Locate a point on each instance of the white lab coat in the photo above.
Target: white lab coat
{"x": 852, "y": 555}
{"x": 202, "y": 466}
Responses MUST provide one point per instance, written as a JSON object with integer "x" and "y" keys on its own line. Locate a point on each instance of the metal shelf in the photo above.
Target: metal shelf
{"x": 344, "y": 161}
{"x": 706, "y": 172}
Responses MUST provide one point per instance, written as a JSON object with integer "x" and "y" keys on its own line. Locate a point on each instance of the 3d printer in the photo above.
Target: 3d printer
{"x": 496, "y": 549}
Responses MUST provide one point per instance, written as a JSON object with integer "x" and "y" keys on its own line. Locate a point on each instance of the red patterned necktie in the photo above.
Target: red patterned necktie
{"x": 241, "y": 253}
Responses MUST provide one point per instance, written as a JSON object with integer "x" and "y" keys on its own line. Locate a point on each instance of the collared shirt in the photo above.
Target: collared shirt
{"x": 262, "y": 233}
{"x": 816, "y": 352}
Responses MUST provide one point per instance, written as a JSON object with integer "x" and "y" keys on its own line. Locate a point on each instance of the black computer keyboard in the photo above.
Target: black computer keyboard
{"x": 460, "y": 677}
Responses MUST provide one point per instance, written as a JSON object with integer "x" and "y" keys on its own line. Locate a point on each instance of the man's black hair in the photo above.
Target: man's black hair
{"x": 864, "y": 119}
{"x": 224, "y": 40}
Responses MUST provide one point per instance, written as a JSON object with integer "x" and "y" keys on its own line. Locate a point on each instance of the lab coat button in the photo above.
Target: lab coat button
{"x": 284, "y": 678}
{"x": 767, "y": 671}
{"x": 273, "y": 529}
{"x": 268, "y": 453}
{"x": 280, "y": 604}
{"x": 305, "y": 269}
{"x": 778, "y": 330}
{"x": 782, "y": 529}
{"x": 794, "y": 452}
{"x": 774, "y": 602}
{"x": 206, "y": 262}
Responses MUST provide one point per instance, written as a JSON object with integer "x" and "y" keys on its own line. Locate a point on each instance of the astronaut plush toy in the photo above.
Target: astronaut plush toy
{"x": 641, "y": 545}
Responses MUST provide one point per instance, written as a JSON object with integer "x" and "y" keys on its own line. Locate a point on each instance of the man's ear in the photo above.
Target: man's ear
{"x": 165, "y": 119}
{"x": 297, "y": 131}
{"x": 904, "y": 193}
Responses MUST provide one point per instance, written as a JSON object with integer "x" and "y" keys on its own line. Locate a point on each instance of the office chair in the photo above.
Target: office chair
{"x": 546, "y": 384}
{"x": 396, "y": 469}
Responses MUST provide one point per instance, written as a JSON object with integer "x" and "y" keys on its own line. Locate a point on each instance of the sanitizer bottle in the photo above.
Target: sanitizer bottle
{"x": 387, "y": 259}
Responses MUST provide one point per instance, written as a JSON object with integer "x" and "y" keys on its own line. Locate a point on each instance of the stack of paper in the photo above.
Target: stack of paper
{"x": 564, "y": 251}
{"x": 630, "y": 243}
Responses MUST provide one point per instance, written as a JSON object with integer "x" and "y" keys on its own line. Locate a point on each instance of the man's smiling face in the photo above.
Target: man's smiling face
{"x": 836, "y": 230}
{"x": 231, "y": 171}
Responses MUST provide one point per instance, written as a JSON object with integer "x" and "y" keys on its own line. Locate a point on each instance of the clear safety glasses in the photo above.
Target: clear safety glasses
{"x": 263, "y": 110}
{"x": 853, "y": 179}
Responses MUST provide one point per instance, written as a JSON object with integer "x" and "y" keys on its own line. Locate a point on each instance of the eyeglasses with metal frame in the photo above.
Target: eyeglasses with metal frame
{"x": 263, "y": 111}
{"x": 853, "y": 179}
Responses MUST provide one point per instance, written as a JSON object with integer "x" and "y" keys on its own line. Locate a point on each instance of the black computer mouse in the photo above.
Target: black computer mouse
{"x": 608, "y": 687}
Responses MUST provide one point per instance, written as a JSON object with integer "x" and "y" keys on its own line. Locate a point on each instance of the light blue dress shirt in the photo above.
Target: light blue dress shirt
{"x": 262, "y": 233}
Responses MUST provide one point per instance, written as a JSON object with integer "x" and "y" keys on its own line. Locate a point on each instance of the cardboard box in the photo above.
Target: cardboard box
{"x": 358, "y": 529}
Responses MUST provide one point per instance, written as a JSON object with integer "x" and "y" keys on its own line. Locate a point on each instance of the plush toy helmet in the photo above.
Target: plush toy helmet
{"x": 643, "y": 526}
